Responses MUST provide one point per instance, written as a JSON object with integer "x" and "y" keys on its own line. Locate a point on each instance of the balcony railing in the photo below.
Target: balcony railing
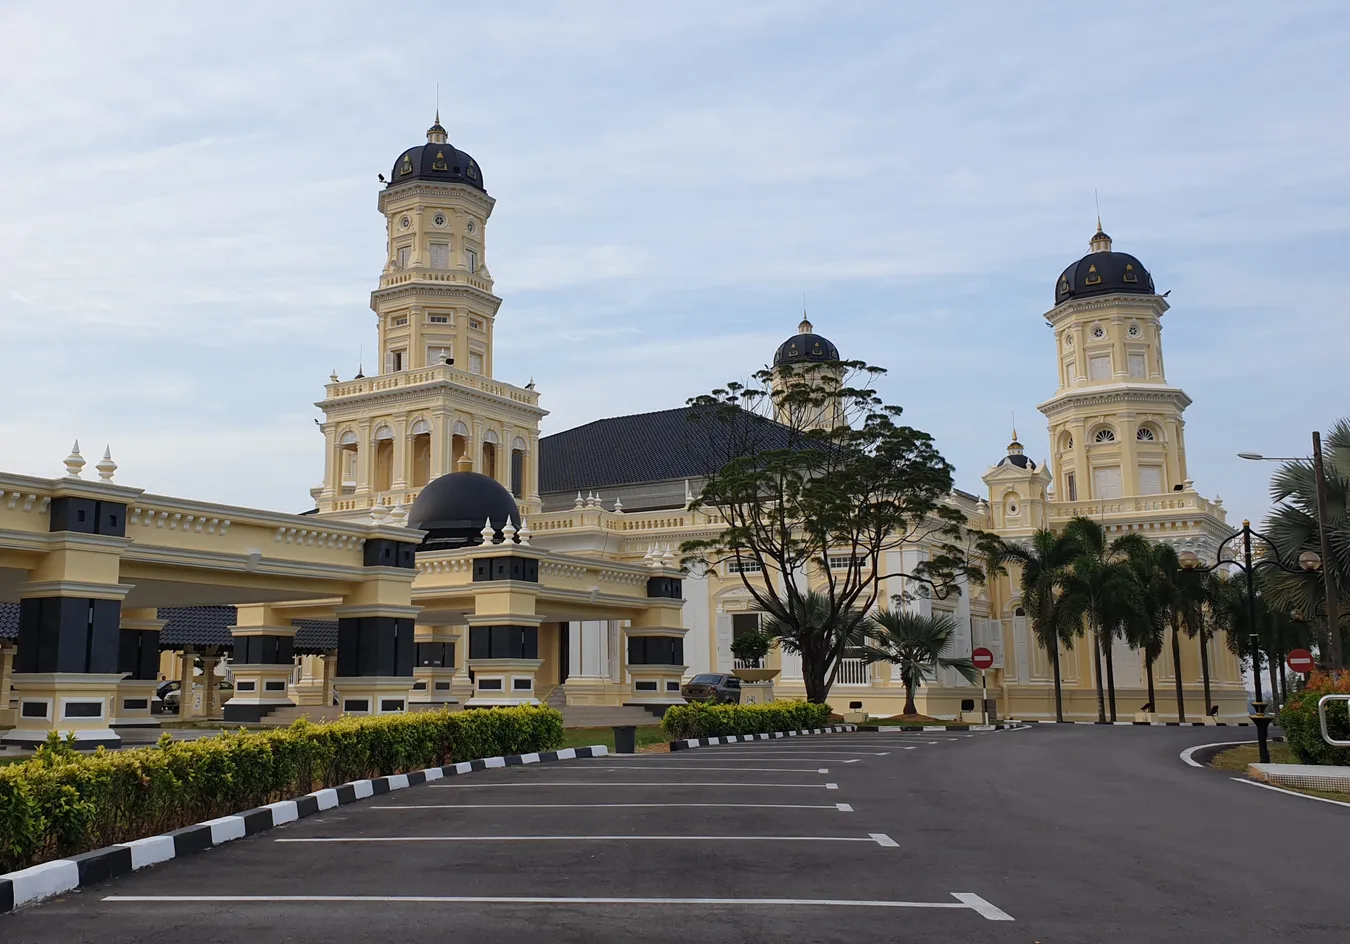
{"x": 853, "y": 672}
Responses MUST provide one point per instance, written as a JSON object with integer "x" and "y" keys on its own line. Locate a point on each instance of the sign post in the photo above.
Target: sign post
{"x": 1300, "y": 661}
{"x": 982, "y": 659}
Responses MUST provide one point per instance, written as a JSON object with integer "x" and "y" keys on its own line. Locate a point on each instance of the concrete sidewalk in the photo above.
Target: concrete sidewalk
{"x": 1310, "y": 776}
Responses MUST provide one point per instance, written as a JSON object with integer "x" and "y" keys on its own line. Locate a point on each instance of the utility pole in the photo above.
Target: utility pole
{"x": 1328, "y": 562}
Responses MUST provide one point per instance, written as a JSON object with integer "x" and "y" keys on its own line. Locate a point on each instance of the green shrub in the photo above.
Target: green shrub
{"x": 63, "y": 803}
{"x": 1303, "y": 731}
{"x": 699, "y": 720}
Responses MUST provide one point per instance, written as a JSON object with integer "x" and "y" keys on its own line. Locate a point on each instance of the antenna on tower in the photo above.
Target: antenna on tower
{"x": 438, "y": 102}
{"x": 1098, "y": 202}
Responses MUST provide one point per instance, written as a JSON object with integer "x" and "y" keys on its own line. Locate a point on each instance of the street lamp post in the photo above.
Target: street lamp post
{"x": 1335, "y": 654}
{"x": 1307, "y": 561}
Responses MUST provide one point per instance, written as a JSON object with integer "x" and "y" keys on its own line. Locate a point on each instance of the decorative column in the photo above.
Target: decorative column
{"x": 186, "y": 664}
{"x": 66, "y": 672}
{"x": 504, "y": 628}
{"x": 209, "y": 684}
{"x": 375, "y": 628}
{"x": 656, "y": 643}
{"x": 7, "y": 714}
{"x": 399, "y": 476}
{"x": 329, "y": 673}
{"x": 332, "y": 471}
{"x": 434, "y": 665}
{"x": 365, "y": 457}
{"x": 588, "y": 678}
{"x": 264, "y": 654}
{"x": 440, "y": 444}
{"x": 138, "y": 659}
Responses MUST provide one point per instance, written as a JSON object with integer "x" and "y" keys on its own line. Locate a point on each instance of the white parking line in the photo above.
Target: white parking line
{"x": 881, "y": 839}
{"x": 771, "y": 752}
{"x": 761, "y": 770}
{"x": 627, "y": 783}
{"x": 964, "y": 901}
{"x": 1306, "y": 796}
{"x": 840, "y": 807}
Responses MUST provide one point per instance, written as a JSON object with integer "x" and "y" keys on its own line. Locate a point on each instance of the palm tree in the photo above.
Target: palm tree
{"x": 1170, "y": 598}
{"x": 1198, "y": 592}
{"x": 827, "y": 642}
{"x": 1294, "y": 529}
{"x": 1043, "y": 561}
{"x": 1145, "y": 627}
{"x": 916, "y": 643}
{"x": 1102, "y": 588}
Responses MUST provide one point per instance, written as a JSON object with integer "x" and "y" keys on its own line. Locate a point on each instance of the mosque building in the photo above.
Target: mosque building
{"x": 547, "y": 568}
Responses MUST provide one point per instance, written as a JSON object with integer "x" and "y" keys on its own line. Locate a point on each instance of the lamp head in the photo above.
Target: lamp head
{"x": 1189, "y": 560}
{"x": 1310, "y": 561}
{"x": 1251, "y": 455}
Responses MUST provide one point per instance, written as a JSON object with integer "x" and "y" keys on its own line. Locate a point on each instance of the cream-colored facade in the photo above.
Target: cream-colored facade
{"x": 576, "y": 601}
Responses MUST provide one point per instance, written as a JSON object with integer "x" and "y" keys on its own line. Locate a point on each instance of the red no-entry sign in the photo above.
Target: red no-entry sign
{"x": 984, "y": 658}
{"x": 1301, "y": 661}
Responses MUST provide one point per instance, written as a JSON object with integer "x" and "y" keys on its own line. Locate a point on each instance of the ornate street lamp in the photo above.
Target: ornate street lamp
{"x": 1308, "y": 561}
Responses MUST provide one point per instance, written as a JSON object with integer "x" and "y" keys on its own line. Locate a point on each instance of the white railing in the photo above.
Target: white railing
{"x": 853, "y": 672}
{"x": 746, "y": 664}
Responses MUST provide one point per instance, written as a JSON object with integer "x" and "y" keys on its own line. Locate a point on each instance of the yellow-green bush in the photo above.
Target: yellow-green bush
{"x": 699, "y": 720}
{"x": 63, "y": 803}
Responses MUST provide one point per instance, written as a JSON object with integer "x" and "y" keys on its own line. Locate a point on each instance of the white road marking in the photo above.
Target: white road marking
{"x": 841, "y": 807}
{"x": 1186, "y": 754}
{"x": 1306, "y": 796}
{"x": 626, "y": 783}
{"x": 853, "y": 761}
{"x": 762, "y": 770}
{"x": 773, "y": 751}
{"x": 964, "y": 901}
{"x": 880, "y": 839}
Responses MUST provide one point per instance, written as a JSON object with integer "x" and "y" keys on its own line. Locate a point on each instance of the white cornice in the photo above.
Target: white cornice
{"x": 434, "y": 289}
{"x": 434, "y": 189}
{"x": 335, "y": 405}
{"x": 1154, "y": 303}
{"x": 1113, "y": 395}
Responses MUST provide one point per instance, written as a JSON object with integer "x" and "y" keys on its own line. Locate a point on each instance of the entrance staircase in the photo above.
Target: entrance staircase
{"x": 599, "y": 716}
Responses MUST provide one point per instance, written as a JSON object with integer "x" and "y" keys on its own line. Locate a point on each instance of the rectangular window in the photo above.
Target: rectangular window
{"x": 400, "y": 321}
{"x": 1071, "y": 486}
{"x": 393, "y": 361}
{"x": 845, "y": 561}
{"x": 522, "y": 684}
{"x": 744, "y": 567}
{"x": 438, "y": 319}
{"x": 1099, "y": 367}
{"x": 517, "y": 473}
{"x": 476, "y": 324}
{"x": 84, "y": 709}
{"x": 1150, "y": 480}
{"x": 471, "y": 260}
{"x": 1106, "y": 482}
{"x": 490, "y": 685}
{"x": 33, "y": 709}
{"x": 440, "y": 354}
{"x": 476, "y": 363}
{"x": 440, "y": 255}
{"x": 1073, "y": 371}
{"x": 356, "y": 704}
{"x": 1136, "y": 365}
{"x": 271, "y": 686}
{"x": 644, "y": 686}
{"x": 404, "y": 257}
{"x": 391, "y": 704}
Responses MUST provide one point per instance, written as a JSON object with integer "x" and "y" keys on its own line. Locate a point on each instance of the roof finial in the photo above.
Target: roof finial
{"x": 805, "y": 327}
{"x": 1098, "y": 202}
{"x": 1099, "y": 242}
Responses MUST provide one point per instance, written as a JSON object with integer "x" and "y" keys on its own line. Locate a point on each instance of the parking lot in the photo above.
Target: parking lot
{"x": 794, "y": 839}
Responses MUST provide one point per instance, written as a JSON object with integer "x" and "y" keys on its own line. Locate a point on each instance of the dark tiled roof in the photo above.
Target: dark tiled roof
{"x": 9, "y": 621}
{"x": 315, "y": 635}
{"x": 196, "y": 626}
{"x": 647, "y": 447}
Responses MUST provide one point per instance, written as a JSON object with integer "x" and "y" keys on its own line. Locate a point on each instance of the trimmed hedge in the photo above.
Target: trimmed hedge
{"x": 62, "y": 803}
{"x": 1302, "y": 730}
{"x": 699, "y": 720}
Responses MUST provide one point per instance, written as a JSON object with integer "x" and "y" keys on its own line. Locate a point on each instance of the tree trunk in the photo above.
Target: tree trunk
{"x": 1111, "y": 674}
{"x": 1059, "y": 686}
{"x": 1148, "y": 670}
{"x": 909, "y": 700}
{"x": 814, "y": 678}
{"x": 1204, "y": 671}
{"x": 1097, "y": 662}
{"x": 1176, "y": 670}
{"x": 1284, "y": 684}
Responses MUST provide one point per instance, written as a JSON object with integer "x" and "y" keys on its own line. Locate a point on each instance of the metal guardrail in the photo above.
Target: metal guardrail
{"x": 1322, "y": 718}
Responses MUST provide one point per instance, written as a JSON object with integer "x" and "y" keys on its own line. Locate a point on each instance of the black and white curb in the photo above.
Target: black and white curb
{"x": 938, "y": 728}
{"x": 689, "y": 743}
{"x": 1148, "y": 724}
{"x": 64, "y": 875}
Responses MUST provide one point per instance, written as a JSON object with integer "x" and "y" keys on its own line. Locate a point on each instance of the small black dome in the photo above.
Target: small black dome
{"x": 806, "y": 345}
{"x": 452, "y": 510}
{"x": 438, "y": 160}
{"x": 1020, "y": 460}
{"x": 1103, "y": 272}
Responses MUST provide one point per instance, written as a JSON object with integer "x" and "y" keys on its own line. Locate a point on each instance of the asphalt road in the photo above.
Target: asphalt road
{"x": 1052, "y": 834}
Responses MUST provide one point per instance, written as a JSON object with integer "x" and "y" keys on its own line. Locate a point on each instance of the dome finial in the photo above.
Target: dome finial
{"x": 436, "y": 134}
{"x": 1100, "y": 242}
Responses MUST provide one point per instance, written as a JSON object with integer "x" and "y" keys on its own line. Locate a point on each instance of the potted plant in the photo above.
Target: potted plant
{"x": 752, "y": 647}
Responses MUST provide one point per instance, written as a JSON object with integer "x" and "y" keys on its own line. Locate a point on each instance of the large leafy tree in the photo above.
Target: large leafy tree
{"x": 1292, "y": 525}
{"x": 807, "y": 464}
{"x": 1043, "y": 562}
{"x": 1100, "y": 586}
{"x": 917, "y": 644}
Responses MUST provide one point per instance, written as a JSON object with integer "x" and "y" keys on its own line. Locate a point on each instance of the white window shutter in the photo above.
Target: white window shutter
{"x": 388, "y": 362}
{"x": 1150, "y": 480}
{"x": 1136, "y": 365}
{"x": 1099, "y": 368}
{"x": 724, "y": 662}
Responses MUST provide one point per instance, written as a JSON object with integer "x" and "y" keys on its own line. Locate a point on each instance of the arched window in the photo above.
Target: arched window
{"x": 384, "y": 458}
{"x": 348, "y": 449}
{"x": 490, "y": 443}
{"x": 459, "y": 444}
{"x": 518, "y": 467}
{"x": 1104, "y": 435}
{"x": 1144, "y": 434}
{"x": 421, "y": 453}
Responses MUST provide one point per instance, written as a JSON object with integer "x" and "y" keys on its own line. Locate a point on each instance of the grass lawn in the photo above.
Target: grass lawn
{"x": 12, "y": 760}
{"x": 649, "y": 738}
{"x": 1236, "y": 759}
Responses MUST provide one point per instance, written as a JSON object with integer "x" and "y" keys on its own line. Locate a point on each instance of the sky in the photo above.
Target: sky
{"x": 189, "y": 231}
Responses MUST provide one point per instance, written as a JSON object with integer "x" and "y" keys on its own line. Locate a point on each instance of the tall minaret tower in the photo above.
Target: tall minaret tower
{"x": 1116, "y": 427}
{"x": 806, "y": 358}
{"x": 433, "y": 406}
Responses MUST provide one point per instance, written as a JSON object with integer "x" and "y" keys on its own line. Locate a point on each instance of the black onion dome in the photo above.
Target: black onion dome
{"x": 436, "y": 160}
{"x": 1103, "y": 272}
{"x": 452, "y": 510}
{"x": 805, "y": 345}
{"x": 1017, "y": 456}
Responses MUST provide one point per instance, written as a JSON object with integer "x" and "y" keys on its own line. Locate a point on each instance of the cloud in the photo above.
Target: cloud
{"x": 191, "y": 235}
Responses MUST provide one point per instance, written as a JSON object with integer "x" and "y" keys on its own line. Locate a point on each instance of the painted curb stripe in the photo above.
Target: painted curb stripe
{"x": 63, "y": 875}
{"x": 689, "y": 743}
